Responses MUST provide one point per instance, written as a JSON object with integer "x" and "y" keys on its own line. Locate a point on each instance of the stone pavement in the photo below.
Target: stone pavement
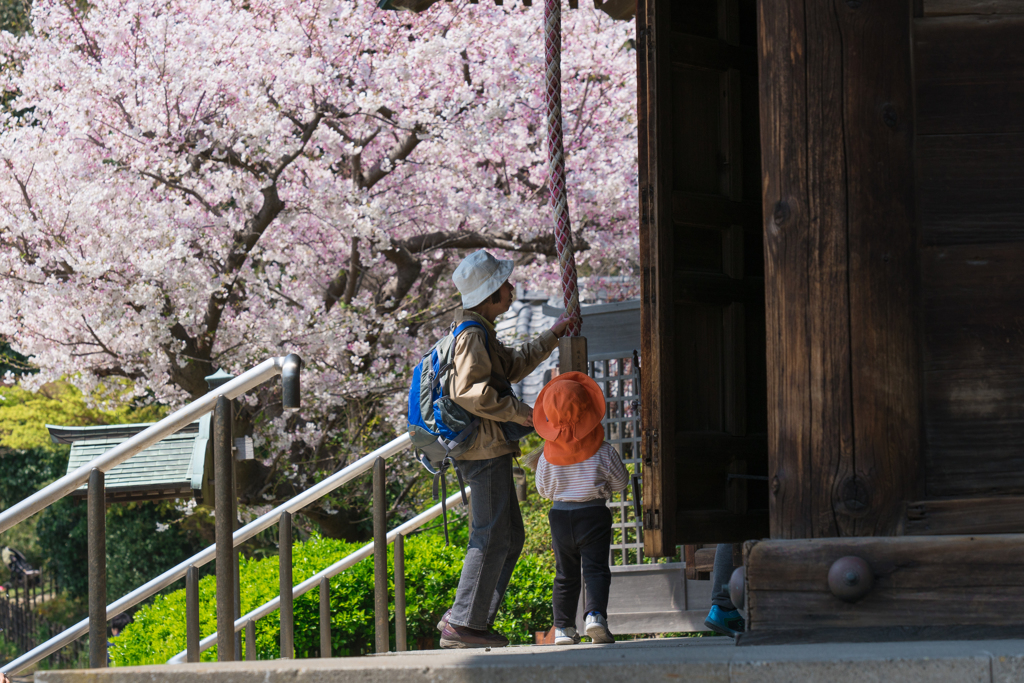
{"x": 675, "y": 660}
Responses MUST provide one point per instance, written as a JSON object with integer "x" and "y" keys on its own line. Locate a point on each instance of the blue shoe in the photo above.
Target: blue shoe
{"x": 726, "y": 623}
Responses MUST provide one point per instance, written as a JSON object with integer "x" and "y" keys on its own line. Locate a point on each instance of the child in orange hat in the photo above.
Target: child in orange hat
{"x": 579, "y": 471}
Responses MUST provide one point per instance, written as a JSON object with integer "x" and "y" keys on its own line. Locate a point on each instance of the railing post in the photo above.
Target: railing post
{"x": 325, "y": 617}
{"x": 285, "y": 573}
{"x": 380, "y": 558}
{"x": 250, "y": 641}
{"x": 192, "y": 613}
{"x": 97, "y": 521}
{"x": 224, "y": 526}
{"x": 235, "y": 569}
{"x": 401, "y": 644}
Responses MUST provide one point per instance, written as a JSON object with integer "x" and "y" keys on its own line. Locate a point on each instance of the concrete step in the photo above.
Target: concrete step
{"x": 679, "y": 660}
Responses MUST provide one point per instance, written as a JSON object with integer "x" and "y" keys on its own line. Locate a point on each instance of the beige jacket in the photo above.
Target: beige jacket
{"x": 480, "y": 376}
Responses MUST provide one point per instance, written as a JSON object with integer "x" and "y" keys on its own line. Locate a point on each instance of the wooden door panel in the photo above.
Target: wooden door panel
{"x": 696, "y": 109}
{"x": 701, "y": 244}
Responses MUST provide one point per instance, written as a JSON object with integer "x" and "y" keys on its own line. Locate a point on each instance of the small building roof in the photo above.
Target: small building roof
{"x": 174, "y": 467}
{"x": 612, "y": 331}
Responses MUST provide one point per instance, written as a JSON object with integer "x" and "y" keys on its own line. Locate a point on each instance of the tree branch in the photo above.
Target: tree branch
{"x": 408, "y": 269}
{"x": 543, "y": 244}
{"x": 185, "y": 190}
{"x": 354, "y": 269}
{"x": 401, "y": 152}
{"x": 335, "y": 290}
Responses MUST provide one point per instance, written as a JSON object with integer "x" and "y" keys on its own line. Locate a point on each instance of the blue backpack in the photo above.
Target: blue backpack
{"x": 440, "y": 429}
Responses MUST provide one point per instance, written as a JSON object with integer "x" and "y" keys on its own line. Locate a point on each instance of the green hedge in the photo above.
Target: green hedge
{"x": 432, "y": 574}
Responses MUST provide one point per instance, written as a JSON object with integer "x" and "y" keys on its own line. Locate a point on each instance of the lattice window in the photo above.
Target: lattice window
{"x": 620, "y": 382}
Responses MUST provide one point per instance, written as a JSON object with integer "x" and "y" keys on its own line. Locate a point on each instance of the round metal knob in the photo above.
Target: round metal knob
{"x": 850, "y": 578}
{"x": 737, "y": 583}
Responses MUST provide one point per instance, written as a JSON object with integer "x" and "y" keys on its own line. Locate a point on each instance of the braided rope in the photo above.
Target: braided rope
{"x": 556, "y": 158}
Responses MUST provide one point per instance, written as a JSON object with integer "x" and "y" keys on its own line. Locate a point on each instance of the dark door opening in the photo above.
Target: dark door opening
{"x": 705, "y": 378}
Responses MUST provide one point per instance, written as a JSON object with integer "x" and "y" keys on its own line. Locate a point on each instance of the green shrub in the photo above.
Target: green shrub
{"x": 136, "y": 549}
{"x": 432, "y": 575}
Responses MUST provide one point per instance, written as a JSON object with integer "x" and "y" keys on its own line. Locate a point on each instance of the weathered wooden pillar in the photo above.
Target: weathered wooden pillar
{"x": 840, "y": 265}
{"x": 572, "y": 354}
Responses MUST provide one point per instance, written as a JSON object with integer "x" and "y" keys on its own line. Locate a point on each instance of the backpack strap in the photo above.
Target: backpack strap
{"x": 435, "y": 376}
{"x": 439, "y": 477}
{"x": 450, "y": 445}
{"x": 472, "y": 323}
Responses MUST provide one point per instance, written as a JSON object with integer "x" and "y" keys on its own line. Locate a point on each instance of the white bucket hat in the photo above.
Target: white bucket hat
{"x": 480, "y": 275}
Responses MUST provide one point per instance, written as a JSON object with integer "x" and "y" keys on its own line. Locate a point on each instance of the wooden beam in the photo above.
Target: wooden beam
{"x": 840, "y": 266}
{"x": 945, "y": 8}
{"x": 918, "y": 582}
{"x": 969, "y": 74}
{"x": 996, "y": 515}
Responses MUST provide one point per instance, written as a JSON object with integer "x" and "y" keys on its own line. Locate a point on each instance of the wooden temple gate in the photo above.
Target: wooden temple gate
{"x": 832, "y": 233}
{"x": 831, "y": 239}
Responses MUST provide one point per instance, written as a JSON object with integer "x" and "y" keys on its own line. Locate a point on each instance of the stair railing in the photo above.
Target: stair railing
{"x": 376, "y": 458}
{"x": 46, "y": 496}
{"x": 321, "y": 579}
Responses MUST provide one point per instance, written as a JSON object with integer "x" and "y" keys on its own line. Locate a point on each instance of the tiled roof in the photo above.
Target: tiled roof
{"x": 524, "y": 322}
{"x": 612, "y": 331}
{"x": 175, "y": 463}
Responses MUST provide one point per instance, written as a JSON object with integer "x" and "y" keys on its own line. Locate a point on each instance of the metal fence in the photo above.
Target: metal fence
{"x": 23, "y": 627}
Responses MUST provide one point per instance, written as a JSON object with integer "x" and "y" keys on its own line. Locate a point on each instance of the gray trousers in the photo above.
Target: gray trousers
{"x": 495, "y": 542}
{"x": 720, "y": 577}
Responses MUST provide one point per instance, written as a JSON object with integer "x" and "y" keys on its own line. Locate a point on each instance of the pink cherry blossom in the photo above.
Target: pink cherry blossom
{"x": 192, "y": 184}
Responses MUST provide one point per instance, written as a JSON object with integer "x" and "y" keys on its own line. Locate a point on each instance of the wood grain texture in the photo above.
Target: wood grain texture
{"x": 876, "y": 634}
{"x": 969, "y": 74}
{"x": 657, "y": 403}
{"x": 795, "y": 512}
{"x": 840, "y": 265}
{"x": 918, "y": 581}
{"x": 970, "y": 188}
{"x": 973, "y": 298}
{"x": 997, "y": 515}
{"x": 704, "y": 559}
{"x": 943, "y": 8}
{"x": 885, "y": 333}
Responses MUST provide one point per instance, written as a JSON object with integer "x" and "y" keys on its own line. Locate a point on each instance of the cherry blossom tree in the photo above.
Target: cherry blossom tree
{"x": 188, "y": 185}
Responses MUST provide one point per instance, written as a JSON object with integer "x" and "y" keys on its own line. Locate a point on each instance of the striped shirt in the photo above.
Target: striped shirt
{"x": 595, "y": 478}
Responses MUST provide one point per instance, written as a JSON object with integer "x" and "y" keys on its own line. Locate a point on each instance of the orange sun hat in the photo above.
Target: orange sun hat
{"x": 568, "y": 416}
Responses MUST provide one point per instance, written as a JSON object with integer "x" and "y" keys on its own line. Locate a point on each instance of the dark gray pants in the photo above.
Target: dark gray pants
{"x": 581, "y": 539}
{"x": 495, "y": 542}
{"x": 720, "y": 577}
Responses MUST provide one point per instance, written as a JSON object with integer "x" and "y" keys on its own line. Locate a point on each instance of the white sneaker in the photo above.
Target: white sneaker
{"x": 566, "y": 636}
{"x": 597, "y": 628}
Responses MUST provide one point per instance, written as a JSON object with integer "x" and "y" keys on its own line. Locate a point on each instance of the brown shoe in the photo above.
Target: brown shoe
{"x": 499, "y": 636}
{"x": 444, "y": 621}
{"x": 457, "y": 637}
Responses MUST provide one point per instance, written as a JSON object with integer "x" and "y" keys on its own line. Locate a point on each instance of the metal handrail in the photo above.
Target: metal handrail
{"x": 331, "y": 571}
{"x": 144, "y": 439}
{"x": 241, "y": 536}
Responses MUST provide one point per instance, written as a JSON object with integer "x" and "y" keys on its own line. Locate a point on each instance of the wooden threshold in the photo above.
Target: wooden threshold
{"x": 878, "y": 634}
{"x": 963, "y": 584}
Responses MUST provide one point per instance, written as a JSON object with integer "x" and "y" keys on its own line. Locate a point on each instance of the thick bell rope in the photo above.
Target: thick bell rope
{"x": 556, "y": 159}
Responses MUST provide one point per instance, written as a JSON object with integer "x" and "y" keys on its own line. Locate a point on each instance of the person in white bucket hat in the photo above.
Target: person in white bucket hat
{"x": 479, "y": 276}
{"x": 484, "y": 370}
